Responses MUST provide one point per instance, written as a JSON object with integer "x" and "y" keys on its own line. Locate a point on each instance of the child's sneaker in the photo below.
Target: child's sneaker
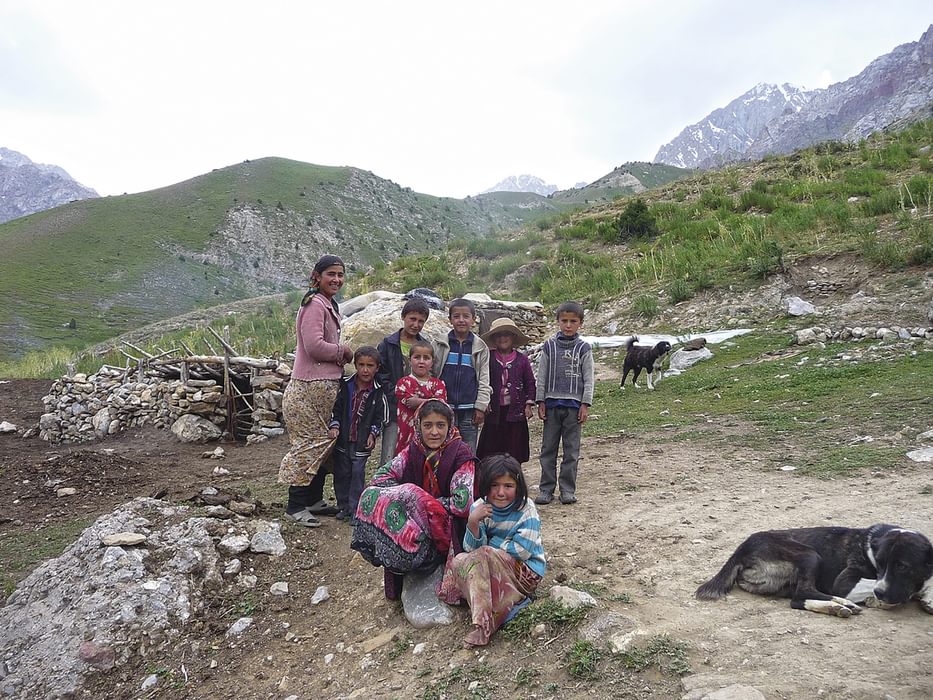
{"x": 543, "y": 498}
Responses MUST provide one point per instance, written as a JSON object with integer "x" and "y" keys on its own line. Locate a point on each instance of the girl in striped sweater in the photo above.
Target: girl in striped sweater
{"x": 503, "y": 558}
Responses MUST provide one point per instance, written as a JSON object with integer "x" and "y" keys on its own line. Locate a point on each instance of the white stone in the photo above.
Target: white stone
{"x": 320, "y": 595}
{"x": 101, "y": 422}
{"x": 572, "y": 598}
{"x": 267, "y": 540}
{"x": 239, "y": 627}
{"x": 150, "y": 682}
{"x": 795, "y": 306}
{"x": 924, "y": 454}
{"x": 66, "y": 491}
{"x": 926, "y": 435}
{"x": 683, "y": 359}
{"x": 232, "y": 568}
{"x": 806, "y": 336}
{"x": 279, "y": 588}
{"x": 419, "y": 648}
{"x": 7, "y": 427}
{"x": 234, "y": 544}
{"x": 123, "y": 539}
{"x": 191, "y": 428}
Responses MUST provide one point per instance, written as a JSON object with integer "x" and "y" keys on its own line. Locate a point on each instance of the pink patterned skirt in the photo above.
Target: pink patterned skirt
{"x": 491, "y": 581}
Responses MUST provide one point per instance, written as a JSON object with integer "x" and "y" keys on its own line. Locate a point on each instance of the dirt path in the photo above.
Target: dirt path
{"x": 653, "y": 521}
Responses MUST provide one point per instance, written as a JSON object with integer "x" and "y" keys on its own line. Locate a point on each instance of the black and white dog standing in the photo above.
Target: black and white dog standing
{"x": 643, "y": 357}
{"x": 831, "y": 569}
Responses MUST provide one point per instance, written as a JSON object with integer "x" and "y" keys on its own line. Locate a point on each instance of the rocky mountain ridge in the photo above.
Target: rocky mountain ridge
{"x": 523, "y": 183}
{"x": 777, "y": 119}
{"x": 27, "y": 187}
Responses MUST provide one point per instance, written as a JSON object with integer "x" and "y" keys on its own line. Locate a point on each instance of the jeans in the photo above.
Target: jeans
{"x": 468, "y": 430}
{"x": 560, "y": 425}
{"x": 389, "y": 440}
{"x": 349, "y": 480}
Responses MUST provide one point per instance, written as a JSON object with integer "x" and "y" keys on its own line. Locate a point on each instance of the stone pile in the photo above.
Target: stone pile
{"x": 530, "y": 316}
{"x": 814, "y": 334}
{"x": 84, "y": 407}
{"x": 126, "y": 587}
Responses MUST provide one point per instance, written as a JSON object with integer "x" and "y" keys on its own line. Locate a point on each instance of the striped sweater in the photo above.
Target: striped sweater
{"x": 517, "y": 532}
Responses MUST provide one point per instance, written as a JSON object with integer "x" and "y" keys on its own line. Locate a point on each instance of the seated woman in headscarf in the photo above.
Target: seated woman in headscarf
{"x": 416, "y": 506}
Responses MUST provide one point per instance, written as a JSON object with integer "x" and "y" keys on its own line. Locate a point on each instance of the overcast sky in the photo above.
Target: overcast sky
{"x": 447, "y": 98}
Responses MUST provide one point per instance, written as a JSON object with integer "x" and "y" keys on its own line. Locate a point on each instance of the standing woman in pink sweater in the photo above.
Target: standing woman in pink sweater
{"x": 310, "y": 395}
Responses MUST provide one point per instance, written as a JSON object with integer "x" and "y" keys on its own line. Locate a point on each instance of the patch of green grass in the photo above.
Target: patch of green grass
{"x": 22, "y": 551}
{"x": 583, "y": 660}
{"x": 526, "y": 676}
{"x": 646, "y": 306}
{"x": 824, "y": 407}
{"x": 401, "y": 645}
{"x": 667, "y": 655}
{"x": 547, "y": 611}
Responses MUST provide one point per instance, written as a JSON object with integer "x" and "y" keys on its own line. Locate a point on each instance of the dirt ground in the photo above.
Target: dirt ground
{"x": 653, "y": 521}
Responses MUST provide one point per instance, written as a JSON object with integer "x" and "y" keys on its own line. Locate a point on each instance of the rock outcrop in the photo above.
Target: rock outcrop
{"x": 27, "y": 187}
{"x": 97, "y": 605}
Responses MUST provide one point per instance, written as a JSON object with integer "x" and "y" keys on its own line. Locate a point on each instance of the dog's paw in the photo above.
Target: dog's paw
{"x": 926, "y": 606}
{"x": 872, "y": 602}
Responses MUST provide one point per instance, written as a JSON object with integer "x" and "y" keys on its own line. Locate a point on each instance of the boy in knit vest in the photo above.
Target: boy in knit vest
{"x": 564, "y": 396}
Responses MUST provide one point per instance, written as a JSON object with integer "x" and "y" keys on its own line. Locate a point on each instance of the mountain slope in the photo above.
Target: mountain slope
{"x": 115, "y": 263}
{"x": 727, "y": 133}
{"x": 890, "y": 88}
{"x": 27, "y": 187}
{"x": 771, "y": 119}
{"x": 628, "y": 178}
{"x": 522, "y": 183}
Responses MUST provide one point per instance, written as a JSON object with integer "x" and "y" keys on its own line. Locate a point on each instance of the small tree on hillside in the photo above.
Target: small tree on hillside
{"x": 636, "y": 220}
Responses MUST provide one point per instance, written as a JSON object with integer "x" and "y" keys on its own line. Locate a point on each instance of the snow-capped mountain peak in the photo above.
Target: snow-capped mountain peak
{"x": 522, "y": 183}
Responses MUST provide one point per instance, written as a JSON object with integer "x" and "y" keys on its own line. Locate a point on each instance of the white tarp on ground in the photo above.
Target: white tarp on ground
{"x": 615, "y": 341}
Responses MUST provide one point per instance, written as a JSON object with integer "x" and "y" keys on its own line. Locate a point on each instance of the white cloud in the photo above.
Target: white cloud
{"x": 444, "y": 98}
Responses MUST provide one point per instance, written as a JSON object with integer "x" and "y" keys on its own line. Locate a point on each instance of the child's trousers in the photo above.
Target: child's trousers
{"x": 349, "y": 479}
{"x": 560, "y": 426}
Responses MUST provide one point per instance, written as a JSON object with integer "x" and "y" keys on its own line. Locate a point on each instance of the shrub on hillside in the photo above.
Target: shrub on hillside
{"x": 636, "y": 220}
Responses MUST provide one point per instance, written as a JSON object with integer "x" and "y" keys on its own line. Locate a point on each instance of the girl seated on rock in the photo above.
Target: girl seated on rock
{"x": 503, "y": 558}
{"x": 416, "y": 506}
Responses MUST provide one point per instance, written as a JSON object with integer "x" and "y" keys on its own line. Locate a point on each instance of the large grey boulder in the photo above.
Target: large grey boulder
{"x": 191, "y": 428}
{"x": 358, "y": 303}
{"x": 382, "y": 317}
{"x": 683, "y": 359}
{"x": 795, "y": 306}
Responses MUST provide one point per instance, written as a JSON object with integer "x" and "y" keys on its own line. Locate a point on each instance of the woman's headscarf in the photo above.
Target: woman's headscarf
{"x": 439, "y": 464}
{"x": 322, "y": 264}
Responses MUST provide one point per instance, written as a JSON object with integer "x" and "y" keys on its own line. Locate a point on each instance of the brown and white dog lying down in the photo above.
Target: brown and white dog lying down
{"x": 831, "y": 569}
{"x": 643, "y": 357}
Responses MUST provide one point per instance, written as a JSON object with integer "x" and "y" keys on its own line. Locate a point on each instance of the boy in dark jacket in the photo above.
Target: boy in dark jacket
{"x": 394, "y": 364}
{"x": 359, "y": 414}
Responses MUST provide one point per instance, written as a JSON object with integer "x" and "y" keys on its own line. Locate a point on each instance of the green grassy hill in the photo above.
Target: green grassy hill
{"x": 712, "y": 229}
{"x": 628, "y": 178}
{"x": 108, "y": 265}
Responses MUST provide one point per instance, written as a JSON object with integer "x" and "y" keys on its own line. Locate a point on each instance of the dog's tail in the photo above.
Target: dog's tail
{"x": 630, "y": 342}
{"x": 721, "y": 583}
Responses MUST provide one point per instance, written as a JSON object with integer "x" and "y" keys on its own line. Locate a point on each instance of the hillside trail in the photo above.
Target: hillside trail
{"x": 654, "y": 520}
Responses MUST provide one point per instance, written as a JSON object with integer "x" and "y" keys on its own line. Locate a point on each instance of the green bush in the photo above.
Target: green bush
{"x": 753, "y": 199}
{"x": 646, "y": 306}
{"x": 886, "y": 201}
{"x": 679, "y": 290}
{"x": 636, "y": 221}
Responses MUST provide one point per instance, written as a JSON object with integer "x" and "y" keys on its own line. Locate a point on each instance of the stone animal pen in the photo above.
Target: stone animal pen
{"x": 200, "y": 397}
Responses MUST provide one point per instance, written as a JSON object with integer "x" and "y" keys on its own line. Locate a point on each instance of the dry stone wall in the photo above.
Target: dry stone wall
{"x": 83, "y": 407}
